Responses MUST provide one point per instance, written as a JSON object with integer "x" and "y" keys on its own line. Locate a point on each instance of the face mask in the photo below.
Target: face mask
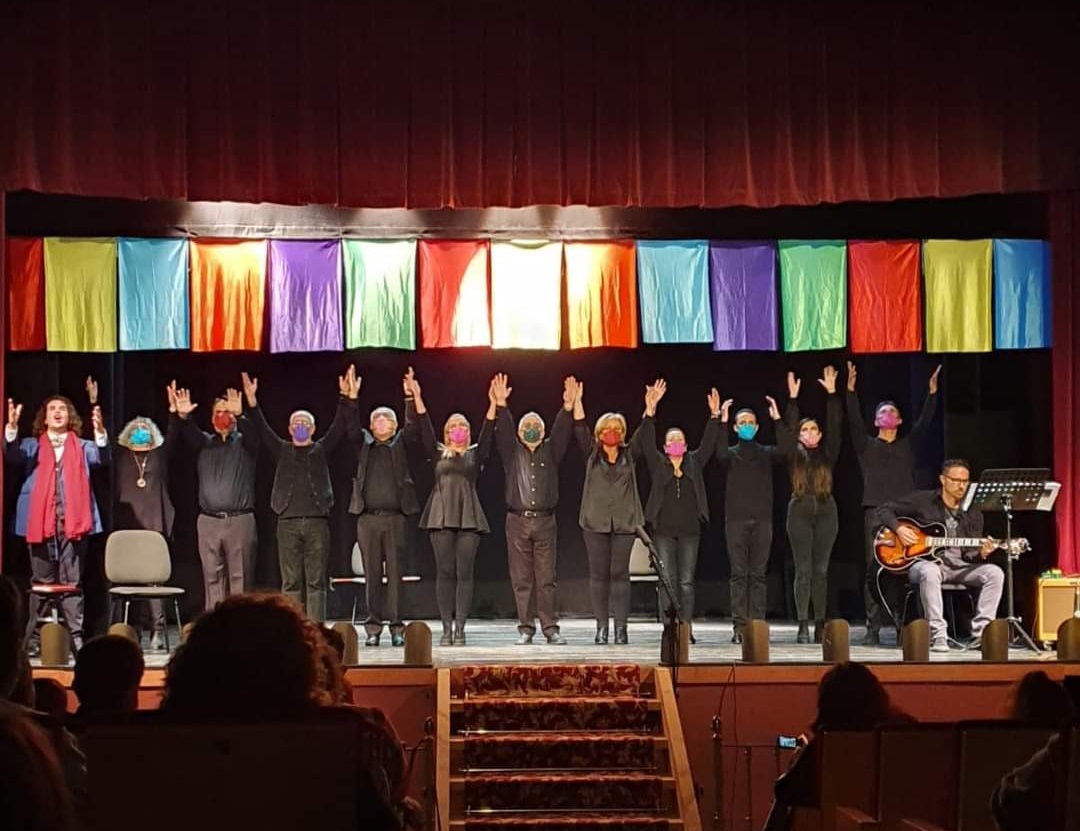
{"x": 809, "y": 439}
{"x": 610, "y": 437}
{"x": 301, "y": 432}
{"x": 458, "y": 435}
{"x": 382, "y": 425}
{"x": 676, "y": 449}
{"x": 224, "y": 421}
{"x": 888, "y": 420}
{"x": 746, "y": 431}
{"x": 140, "y": 437}
{"x": 531, "y": 434}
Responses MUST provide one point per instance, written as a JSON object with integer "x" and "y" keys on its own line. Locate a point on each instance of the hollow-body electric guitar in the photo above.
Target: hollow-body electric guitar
{"x": 893, "y": 555}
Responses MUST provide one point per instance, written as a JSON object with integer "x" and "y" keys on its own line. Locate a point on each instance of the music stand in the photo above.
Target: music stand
{"x": 1008, "y": 490}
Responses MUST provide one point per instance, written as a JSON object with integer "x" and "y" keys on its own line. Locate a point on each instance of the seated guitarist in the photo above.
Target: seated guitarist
{"x": 954, "y": 566}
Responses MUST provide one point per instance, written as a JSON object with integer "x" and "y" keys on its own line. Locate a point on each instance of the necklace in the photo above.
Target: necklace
{"x": 141, "y": 462}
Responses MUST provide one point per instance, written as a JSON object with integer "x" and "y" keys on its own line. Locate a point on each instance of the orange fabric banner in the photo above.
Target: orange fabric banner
{"x": 25, "y": 266}
{"x": 228, "y": 293}
{"x": 885, "y": 293}
{"x": 601, "y": 293}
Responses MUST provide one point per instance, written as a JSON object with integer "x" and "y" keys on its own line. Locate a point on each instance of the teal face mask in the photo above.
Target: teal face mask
{"x": 531, "y": 434}
{"x": 746, "y": 431}
{"x": 141, "y": 437}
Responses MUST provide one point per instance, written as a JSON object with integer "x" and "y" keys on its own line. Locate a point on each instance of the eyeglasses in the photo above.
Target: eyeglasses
{"x": 956, "y": 481}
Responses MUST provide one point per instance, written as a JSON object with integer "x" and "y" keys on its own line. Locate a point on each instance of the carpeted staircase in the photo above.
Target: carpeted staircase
{"x": 551, "y": 747}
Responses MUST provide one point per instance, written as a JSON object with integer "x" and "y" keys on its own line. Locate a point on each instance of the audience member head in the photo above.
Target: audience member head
{"x": 50, "y": 697}
{"x": 253, "y": 657}
{"x": 23, "y": 691}
{"x": 108, "y": 670}
{"x": 11, "y": 652}
{"x": 332, "y": 656}
{"x": 1038, "y": 698}
{"x": 33, "y": 795}
{"x": 850, "y": 697}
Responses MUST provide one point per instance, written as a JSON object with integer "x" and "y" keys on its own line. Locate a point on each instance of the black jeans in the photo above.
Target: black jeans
{"x": 382, "y": 539}
{"x": 679, "y": 556}
{"x": 57, "y": 560}
{"x": 749, "y": 542}
{"x": 811, "y": 527}
{"x": 455, "y": 555}
{"x": 609, "y": 574}
{"x": 303, "y": 545}
{"x": 530, "y": 549}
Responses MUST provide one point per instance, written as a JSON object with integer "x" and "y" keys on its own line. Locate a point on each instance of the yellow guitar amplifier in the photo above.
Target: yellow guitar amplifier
{"x": 1059, "y": 599}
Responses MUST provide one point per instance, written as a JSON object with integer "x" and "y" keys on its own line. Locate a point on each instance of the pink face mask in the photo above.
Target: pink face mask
{"x": 458, "y": 435}
{"x": 809, "y": 439}
{"x": 676, "y": 449}
{"x": 888, "y": 420}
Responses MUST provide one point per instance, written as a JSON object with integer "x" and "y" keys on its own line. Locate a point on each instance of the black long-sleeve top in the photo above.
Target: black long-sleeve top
{"x": 748, "y": 493}
{"x": 663, "y": 513}
{"x": 532, "y": 476}
{"x": 454, "y": 502}
{"x": 816, "y": 463}
{"x": 609, "y": 499}
{"x": 925, "y": 507}
{"x": 888, "y": 468}
{"x": 226, "y": 466}
{"x": 148, "y": 508}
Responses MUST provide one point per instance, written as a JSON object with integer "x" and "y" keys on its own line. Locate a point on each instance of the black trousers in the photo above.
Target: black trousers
{"x": 530, "y": 550}
{"x": 609, "y": 575}
{"x": 811, "y": 527}
{"x": 382, "y": 539}
{"x": 455, "y": 555}
{"x": 303, "y": 546}
{"x": 57, "y": 560}
{"x": 749, "y": 542}
{"x": 892, "y": 586}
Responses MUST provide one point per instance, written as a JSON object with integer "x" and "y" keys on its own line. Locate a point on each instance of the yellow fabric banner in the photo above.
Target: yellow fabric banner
{"x": 80, "y": 295}
{"x": 526, "y": 289}
{"x": 958, "y": 279}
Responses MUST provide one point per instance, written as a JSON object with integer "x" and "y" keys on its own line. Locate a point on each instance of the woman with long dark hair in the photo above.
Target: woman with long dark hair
{"x": 811, "y": 515}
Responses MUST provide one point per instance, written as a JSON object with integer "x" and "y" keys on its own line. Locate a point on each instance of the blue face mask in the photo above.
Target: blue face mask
{"x": 140, "y": 437}
{"x": 300, "y": 432}
{"x": 746, "y": 431}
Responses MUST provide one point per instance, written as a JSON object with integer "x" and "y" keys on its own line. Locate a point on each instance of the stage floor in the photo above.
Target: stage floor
{"x": 493, "y": 641}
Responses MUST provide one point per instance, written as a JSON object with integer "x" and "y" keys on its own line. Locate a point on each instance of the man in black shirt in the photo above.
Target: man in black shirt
{"x": 226, "y": 468}
{"x": 887, "y": 460}
{"x": 748, "y": 509}
{"x": 383, "y": 496}
{"x": 531, "y": 466}
{"x": 955, "y": 566}
{"x": 302, "y": 494}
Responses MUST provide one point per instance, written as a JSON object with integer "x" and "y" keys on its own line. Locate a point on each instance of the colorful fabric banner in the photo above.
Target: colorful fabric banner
{"x": 601, "y": 293}
{"x": 153, "y": 294}
{"x": 526, "y": 283}
{"x": 80, "y": 295}
{"x": 228, "y": 294}
{"x": 673, "y": 280}
{"x": 305, "y": 296}
{"x": 742, "y": 279}
{"x": 958, "y": 278}
{"x": 380, "y": 293}
{"x": 813, "y": 294}
{"x": 25, "y": 266}
{"x": 886, "y": 296}
{"x": 1021, "y": 294}
{"x": 454, "y": 293}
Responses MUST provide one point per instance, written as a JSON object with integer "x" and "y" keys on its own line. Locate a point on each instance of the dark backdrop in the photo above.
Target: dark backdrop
{"x": 995, "y": 408}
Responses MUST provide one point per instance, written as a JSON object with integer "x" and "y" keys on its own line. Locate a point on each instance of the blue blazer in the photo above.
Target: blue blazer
{"x": 24, "y": 452}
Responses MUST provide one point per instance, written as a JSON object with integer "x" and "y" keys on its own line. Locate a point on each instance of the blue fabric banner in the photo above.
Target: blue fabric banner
{"x": 1021, "y": 294}
{"x": 154, "y": 311}
{"x": 673, "y": 291}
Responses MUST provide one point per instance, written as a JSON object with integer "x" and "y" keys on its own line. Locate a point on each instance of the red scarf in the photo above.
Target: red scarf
{"x": 78, "y": 516}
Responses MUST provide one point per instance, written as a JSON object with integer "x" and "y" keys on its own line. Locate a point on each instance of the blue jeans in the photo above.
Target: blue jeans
{"x": 679, "y": 556}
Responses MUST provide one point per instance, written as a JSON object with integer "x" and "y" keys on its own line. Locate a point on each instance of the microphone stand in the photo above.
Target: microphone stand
{"x": 673, "y": 613}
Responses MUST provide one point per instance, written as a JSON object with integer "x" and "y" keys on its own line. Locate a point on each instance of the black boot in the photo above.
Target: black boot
{"x": 620, "y": 635}
{"x": 601, "y": 633}
{"x": 819, "y": 630}
{"x": 804, "y": 632}
{"x": 447, "y": 638}
{"x": 459, "y": 633}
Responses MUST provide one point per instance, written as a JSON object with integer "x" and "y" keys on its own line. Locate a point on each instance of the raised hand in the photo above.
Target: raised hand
{"x": 97, "y": 420}
{"x": 793, "y": 385}
{"x": 14, "y": 414}
{"x": 349, "y": 383}
{"x": 232, "y": 401}
{"x": 170, "y": 393}
{"x": 251, "y": 387}
{"x": 91, "y": 389}
{"x": 569, "y": 392}
{"x": 500, "y": 389}
{"x": 182, "y": 398}
{"x": 934, "y": 380}
{"x": 713, "y": 400}
{"x": 828, "y": 379}
{"x": 407, "y": 382}
{"x": 725, "y": 409}
{"x": 852, "y": 374}
{"x": 774, "y": 411}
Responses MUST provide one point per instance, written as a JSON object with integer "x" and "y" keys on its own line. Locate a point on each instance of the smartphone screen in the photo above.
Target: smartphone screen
{"x": 787, "y": 742}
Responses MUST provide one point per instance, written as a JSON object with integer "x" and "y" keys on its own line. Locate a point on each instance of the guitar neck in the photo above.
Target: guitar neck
{"x": 953, "y": 542}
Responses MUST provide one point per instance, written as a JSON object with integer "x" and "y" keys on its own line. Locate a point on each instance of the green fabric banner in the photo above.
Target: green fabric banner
{"x": 380, "y": 293}
{"x": 813, "y": 294}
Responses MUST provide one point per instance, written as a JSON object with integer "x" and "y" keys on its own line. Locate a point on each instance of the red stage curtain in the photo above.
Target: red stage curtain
{"x": 472, "y": 103}
{"x": 1065, "y": 357}
{"x": 24, "y": 270}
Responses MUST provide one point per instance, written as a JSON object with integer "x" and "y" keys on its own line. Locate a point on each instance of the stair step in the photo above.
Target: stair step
{"x": 507, "y": 713}
{"x": 527, "y": 751}
{"x": 580, "y": 820}
{"x": 563, "y": 791}
{"x": 548, "y": 680}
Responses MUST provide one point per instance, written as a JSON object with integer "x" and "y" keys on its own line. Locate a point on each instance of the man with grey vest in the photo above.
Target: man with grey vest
{"x": 302, "y": 496}
{"x": 383, "y": 497}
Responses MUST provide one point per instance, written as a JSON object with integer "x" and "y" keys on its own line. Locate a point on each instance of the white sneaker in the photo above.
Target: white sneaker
{"x": 940, "y": 646}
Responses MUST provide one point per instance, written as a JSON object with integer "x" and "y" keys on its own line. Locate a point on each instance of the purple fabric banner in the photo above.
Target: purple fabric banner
{"x": 305, "y": 296}
{"x": 742, "y": 280}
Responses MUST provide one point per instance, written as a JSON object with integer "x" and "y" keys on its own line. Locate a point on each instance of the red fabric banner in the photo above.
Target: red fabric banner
{"x": 454, "y": 293}
{"x": 886, "y": 296}
{"x": 25, "y": 272}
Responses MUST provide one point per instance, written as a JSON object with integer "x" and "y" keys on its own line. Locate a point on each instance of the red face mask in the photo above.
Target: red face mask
{"x": 610, "y": 437}
{"x": 224, "y": 421}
